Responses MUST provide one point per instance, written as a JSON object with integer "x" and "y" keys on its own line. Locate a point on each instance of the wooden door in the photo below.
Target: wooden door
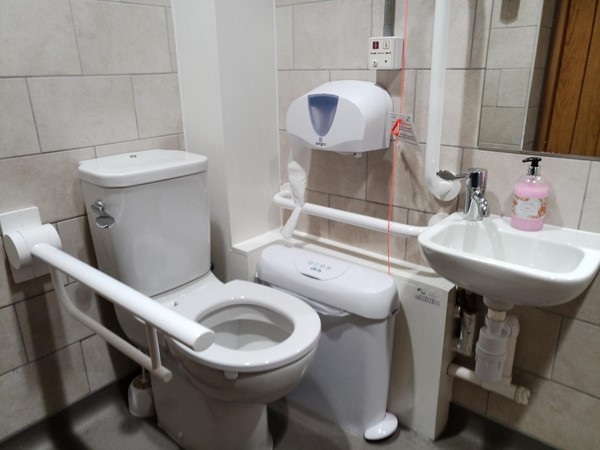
{"x": 570, "y": 112}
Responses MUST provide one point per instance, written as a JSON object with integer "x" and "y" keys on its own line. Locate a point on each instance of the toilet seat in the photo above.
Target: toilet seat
{"x": 305, "y": 324}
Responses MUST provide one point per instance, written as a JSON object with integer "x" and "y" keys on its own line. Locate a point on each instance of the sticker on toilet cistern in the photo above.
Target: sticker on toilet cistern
{"x": 321, "y": 267}
{"x": 427, "y": 296}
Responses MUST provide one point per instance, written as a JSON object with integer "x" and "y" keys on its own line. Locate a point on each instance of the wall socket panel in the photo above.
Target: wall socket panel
{"x": 385, "y": 53}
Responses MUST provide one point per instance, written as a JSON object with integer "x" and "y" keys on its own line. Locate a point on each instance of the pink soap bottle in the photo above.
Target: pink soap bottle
{"x": 530, "y": 199}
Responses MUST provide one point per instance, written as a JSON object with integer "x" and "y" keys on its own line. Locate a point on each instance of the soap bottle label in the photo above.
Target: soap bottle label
{"x": 529, "y": 208}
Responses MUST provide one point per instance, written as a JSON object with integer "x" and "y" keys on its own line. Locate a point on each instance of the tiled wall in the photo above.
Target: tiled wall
{"x": 319, "y": 41}
{"x": 78, "y": 79}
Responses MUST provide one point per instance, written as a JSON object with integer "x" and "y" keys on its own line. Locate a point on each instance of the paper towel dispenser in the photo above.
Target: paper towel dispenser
{"x": 347, "y": 116}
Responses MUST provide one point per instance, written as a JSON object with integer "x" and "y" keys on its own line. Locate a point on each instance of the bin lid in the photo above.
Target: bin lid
{"x": 132, "y": 169}
{"x": 331, "y": 281}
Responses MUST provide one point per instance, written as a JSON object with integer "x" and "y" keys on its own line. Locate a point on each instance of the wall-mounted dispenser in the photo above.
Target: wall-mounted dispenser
{"x": 347, "y": 116}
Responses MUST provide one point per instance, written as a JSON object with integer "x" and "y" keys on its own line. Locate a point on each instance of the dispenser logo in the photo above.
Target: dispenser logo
{"x": 316, "y": 266}
{"x": 427, "y": 297}
{"x": 320, "y": 142}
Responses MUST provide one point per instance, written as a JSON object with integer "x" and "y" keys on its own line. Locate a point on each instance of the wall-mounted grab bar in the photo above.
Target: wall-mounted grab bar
{"x": 283, "y": 199}
{"x": 153, "y": 314}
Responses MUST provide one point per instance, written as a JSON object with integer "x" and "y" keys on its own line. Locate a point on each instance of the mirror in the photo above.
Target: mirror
{"x": 542, "y": 71}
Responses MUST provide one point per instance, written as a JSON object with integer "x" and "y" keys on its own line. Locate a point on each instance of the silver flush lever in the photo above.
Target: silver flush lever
{"x": 103, "y": 219}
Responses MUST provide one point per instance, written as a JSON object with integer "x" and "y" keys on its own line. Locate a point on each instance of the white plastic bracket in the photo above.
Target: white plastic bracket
{"x": 21, "y": 230}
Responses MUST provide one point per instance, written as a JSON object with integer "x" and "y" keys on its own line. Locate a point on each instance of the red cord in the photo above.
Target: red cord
{"x": 395, "y": 131}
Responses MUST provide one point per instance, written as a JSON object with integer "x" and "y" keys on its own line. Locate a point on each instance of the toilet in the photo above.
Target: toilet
{"x": 149, "y": 219}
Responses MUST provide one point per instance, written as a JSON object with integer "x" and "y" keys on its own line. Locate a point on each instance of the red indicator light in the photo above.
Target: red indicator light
{"x": 375, "y": 45}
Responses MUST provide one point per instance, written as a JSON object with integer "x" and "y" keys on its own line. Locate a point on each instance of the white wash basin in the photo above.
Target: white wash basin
{"x": 508, "y": 266}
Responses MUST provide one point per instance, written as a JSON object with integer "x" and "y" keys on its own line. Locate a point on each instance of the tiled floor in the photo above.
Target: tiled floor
{"x": 102, "y": 422}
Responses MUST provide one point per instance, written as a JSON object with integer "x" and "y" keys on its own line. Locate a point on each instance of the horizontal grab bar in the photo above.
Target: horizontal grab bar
{"x": 153, "y": 314}
{"x": 283, "y": 199}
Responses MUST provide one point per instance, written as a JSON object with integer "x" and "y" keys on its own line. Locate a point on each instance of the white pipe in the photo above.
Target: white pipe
{"x": 283, "y": 200}
{"x": 180, "y": 328}
{"x": 504, "y": 387}
{"x": 444, "y": 190}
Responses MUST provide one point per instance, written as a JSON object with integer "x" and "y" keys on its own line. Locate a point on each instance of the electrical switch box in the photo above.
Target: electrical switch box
{"x": 385, "y": 53}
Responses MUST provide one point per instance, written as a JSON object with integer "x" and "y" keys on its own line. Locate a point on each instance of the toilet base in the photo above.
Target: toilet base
{"x": 197, "y": 422}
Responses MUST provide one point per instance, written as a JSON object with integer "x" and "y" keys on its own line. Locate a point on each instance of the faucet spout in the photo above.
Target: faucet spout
{"x": 476, "y": 205}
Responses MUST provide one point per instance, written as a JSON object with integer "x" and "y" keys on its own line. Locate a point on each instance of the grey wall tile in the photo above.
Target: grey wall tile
{"x": 157, "y": 104}
{"x": 332, "y": 34}
{"x": 117, "y": 38}
{"x": 577, "y": 362}
{"x": 585, "y": 307}
{"x": 37, "y": 38}
{"x": 338, "y": 174}
{"x": 163, "y": 142}
{"x": 77, "y": 240}
{"x": 104, "y": 364}
{"x": 313, "y": 225}
{"x": 52, "y": 184}
{"x": 11, "y": 292}
{"x": 511, "y": 48}
{"x": 78, "y": 112}
{"x": 285, "y": 38}
{"x": 367, "y": 239}
{"x": 469, "y": 396}
{"x": 40, "y": 389}
{"x": 410, "y": 189}
{"x": 590, "y": 217}
{"x": 172, "y": 44}
{"x": 517, "y": 13}
{"x": 462, "y": 106}
{"x": 501, "y": 125}
{"x": 12, "y": 352}
{"x": 17, "y": 128}
{"x": 47, "y": 327}
{"x": 557, "y": 415}
{"x": 514, "y": 87}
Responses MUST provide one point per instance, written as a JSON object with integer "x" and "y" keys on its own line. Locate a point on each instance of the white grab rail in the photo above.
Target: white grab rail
{"x": 153, "y": 314}
{"x": 283, "y": 199}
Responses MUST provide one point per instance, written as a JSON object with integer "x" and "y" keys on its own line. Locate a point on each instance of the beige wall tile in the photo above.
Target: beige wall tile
{"x": 413, "y": 252}
{"x": 514, "y": 87}
{"x": 517, "y": 14}
{"x": 149, "y": 2}
{"x": 490, "y": 88}
{"x": 511, "y": 48}
{"x": 537, "y": 340}
{"x": 78, "y": 112}
{"x": 481, "y": 33}
{"x": 462, "y": 106}
{"x": 391, "y": 81}
{"x": 42, "y": 388}
{"x": 590, "y": 216}
{"x": 367, "y": 239}
{"x": 11, "y": 292}
{"x": 355, "y": 74}
{"x": 557, "y": 415}
{"x": 17, "y": 128}
{"x": 12, "y": 352}
{"x": 163, "y": 142}
{"x": 47, "y": 327}
{"x": 577, "y": 359}
{"x": 157, "y": 104}
{"x": 140, "y": 31}
{"x": 501, "y": 125}
{"x": 172, "y": 44}
{"x": 52, "y": 184}
{"x": 104, "y": 364}
{"x": 37, "y": 38}
{"x": 469, "y": 396}
{"x": 338, "y": 174}
{"x": 332, "y": 34}
{"x": 293, "y": 84}
{"x": 585, "y": 307}
{"x": 410, "y": 188}
{"x": 285, "y": 38}
{"x": 77, "y": 240}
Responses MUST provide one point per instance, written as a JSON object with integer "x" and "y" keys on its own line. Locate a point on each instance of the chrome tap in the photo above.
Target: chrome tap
{"x": 476, "y": 205}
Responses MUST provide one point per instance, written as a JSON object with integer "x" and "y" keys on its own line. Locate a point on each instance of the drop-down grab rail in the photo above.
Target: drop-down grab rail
{"x": 155, "y": 316}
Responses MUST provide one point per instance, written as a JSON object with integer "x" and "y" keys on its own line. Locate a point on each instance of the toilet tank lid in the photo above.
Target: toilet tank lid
{"x": 331, "y": 281}
{"x": 132, "y": 169}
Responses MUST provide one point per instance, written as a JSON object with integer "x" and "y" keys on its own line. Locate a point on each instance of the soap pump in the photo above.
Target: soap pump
{"x": 530, "y": 198}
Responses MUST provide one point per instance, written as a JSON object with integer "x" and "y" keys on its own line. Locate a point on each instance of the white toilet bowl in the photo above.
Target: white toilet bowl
{"x": 264, "y": 342}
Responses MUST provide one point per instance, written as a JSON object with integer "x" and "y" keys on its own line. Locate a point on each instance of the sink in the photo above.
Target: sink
{"x": 512, "y": 267}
